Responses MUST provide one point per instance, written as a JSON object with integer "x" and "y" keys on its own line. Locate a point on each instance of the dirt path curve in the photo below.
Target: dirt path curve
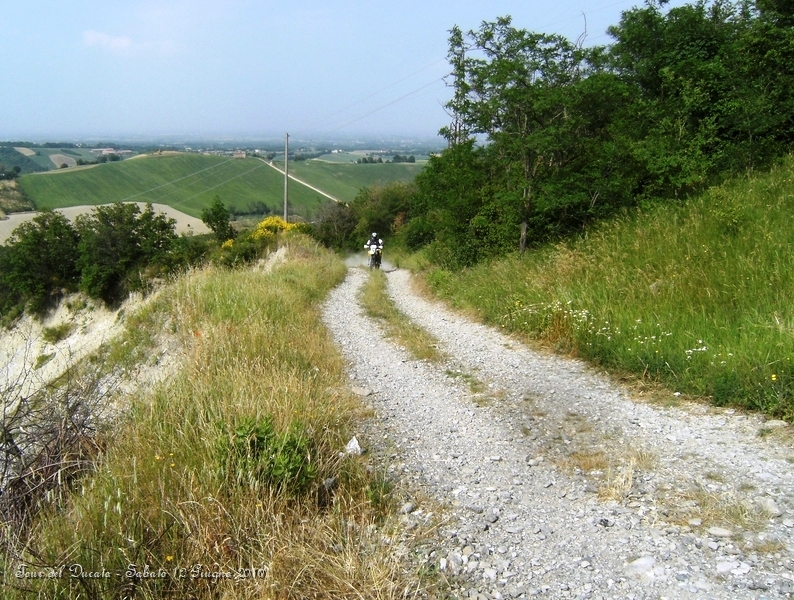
{"x": 555, "y": 483}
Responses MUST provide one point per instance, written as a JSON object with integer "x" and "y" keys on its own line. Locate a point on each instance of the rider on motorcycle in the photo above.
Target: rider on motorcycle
{"x": 374, "y": 242}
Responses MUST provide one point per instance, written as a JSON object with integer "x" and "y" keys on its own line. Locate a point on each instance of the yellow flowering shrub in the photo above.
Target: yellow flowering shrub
{"x": 227, "y": 244}
{"x": 267, "y": 228}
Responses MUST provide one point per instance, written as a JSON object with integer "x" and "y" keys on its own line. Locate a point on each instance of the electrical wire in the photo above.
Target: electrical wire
{"x": 386, "y": 105}
{"x": 128, "y": 198}
{"x": 372, "y": 95}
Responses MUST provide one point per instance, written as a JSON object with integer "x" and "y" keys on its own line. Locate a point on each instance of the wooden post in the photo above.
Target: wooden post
{"x": 286, "y": 173}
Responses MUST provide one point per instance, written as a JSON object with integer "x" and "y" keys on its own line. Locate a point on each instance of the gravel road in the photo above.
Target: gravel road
{"x": 554, "y": 482}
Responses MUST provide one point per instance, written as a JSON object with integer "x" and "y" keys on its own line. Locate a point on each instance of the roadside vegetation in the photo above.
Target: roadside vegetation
{"x": 695, "y": 295}
{"x": 233, "y": 466}
{"x": 616, "y": 202}
{"x": 420, "y": 344}
{"x": 115, "y": 250}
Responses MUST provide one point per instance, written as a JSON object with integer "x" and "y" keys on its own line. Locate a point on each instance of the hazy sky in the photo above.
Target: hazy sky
{"x": 247, "y": 68}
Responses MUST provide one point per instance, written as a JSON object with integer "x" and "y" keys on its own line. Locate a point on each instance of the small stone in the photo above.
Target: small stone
{"x": 728, "y": 565}
{"x": 606, "y": 522}
{"x": 491, "y": 516}
{"x": 703, "y": 585}
{"x": 407, "y": 508}
{"x": 352, "y": 447}
{"x": 475, "y": 508}
{"x": 788, "y": 522}
{"x": 642, "y": 565}
{"x": 775, "y": 424}
{"x": 719, "y": 532}
{"x": 742, "y": 569}
{"x": 769, "y": 506}
{"x": 361, "y": 391}
{"x": 695, "y": 522}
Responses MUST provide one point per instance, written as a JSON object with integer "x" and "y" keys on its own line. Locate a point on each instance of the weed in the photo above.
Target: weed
{"x": 400, "y": 328}
{"x": 53, "y": 335}
{"x": 176, "y": 488}
{"x": 43, "y": 359}
{"x": 702, "y": 288}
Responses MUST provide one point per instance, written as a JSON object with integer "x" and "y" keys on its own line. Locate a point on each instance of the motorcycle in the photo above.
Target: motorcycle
{"x": 375, "y": 253}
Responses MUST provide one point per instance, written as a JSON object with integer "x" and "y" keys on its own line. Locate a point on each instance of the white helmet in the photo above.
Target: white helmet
{"x": 374, "y": 235}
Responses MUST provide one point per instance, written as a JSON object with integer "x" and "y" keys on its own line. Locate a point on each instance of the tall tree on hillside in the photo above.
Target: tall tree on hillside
{"x": 217, "y": 217}
{"x": 545, "y": 106}
{"x": 41, "y": 260}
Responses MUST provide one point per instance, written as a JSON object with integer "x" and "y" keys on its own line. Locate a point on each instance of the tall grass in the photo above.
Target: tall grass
{"x": 162, "y": 518}
{"x": 696, "y": 295}
{"x": 418, "y": 342}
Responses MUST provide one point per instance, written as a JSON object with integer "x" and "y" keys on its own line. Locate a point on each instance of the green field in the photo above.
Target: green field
{"x": 42, "y": 157}
{"x": 344, "y": 180}
{"x": 187, "y": 182}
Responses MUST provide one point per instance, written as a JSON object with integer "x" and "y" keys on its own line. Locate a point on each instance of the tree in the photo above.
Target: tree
{"x": 41, "y": 260}
{"x": 116, "y": 243}
{"x": 335, "y": 224}
{"x": 217, "y": 217}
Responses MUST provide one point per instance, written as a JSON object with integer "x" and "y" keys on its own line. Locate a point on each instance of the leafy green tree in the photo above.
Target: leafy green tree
{"x": 40, "y": 261}
{"x": 334, "y": 225}
{"x": 217, "y": 217}
{"x": 377, "y": 208}
{"x": 116, "y": 243}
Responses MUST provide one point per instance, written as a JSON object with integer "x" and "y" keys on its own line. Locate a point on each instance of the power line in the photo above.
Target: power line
{"x": 372, "y": 95}
{"x": 386, "y": 105}
{"x": 128, "y": 198}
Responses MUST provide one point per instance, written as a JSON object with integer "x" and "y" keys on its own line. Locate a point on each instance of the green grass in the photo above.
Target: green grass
{"x": 344, "y": 180}
{"x": 42, "y": 157}
{"x": 695, "y": 295}
{"x": 187, "y": 182}
{"x": 420, "y": 344}
{"x": 183, "y": 480}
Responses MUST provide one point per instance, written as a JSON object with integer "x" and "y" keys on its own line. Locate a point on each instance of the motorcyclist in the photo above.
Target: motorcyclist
{"x": 376, "y": 242}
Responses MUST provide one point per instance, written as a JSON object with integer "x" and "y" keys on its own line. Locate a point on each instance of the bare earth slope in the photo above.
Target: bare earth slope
{"x": 556, "y": 483}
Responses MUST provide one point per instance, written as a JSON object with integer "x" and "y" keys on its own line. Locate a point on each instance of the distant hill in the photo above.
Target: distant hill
{"x": 189, "y": 182}
{"x": 10, "y": 157}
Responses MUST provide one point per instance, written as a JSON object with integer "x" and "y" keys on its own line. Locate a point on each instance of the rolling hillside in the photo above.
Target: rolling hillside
{"x": 187, "y": 182}
{"x": 344, "y": 180}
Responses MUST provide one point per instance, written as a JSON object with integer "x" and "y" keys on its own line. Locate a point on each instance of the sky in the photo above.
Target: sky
{"x": 247, "y": 69}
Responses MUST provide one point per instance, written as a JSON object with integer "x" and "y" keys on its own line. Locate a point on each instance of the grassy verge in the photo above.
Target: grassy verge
{"x": 399, "y": 327}
{"x": 227, "y": 482}
{"x": 695, "y": 295}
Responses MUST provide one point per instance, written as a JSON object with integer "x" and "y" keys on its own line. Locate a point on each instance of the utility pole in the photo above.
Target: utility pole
{"x": 286, "y": 173}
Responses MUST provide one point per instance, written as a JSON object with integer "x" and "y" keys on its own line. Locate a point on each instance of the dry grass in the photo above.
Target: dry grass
{"x": 398, "y": 327}
{"x": 255, "y": 349}
{"x": 715, "y": 509}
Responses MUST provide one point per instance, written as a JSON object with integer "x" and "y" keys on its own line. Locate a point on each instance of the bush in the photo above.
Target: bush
{"x": 253, "y": 454}
{"x": 116, "y": 243}
{"x": 39, "y": 262}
